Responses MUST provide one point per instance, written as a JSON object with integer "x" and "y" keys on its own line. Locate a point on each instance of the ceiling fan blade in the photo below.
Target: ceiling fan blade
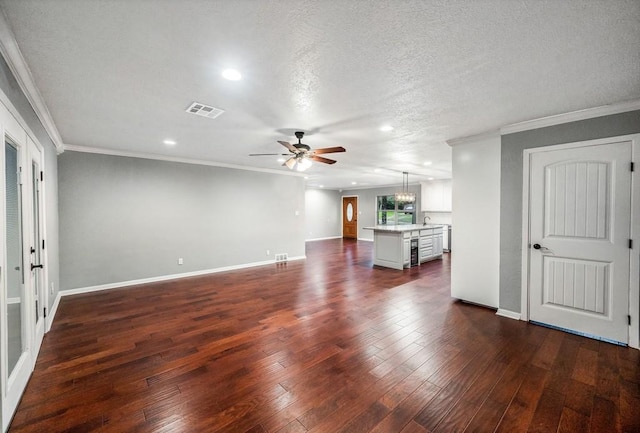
{"x": 268, "y": 154}
{"x": 288, "y": 146}
{"x": 329, "y": 150}
{"x": 321, "y": 159}
{"x": 291, "y": 162}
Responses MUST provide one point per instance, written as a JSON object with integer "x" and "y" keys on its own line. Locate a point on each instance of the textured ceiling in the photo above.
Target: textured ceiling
{"x": 118, "y": 74}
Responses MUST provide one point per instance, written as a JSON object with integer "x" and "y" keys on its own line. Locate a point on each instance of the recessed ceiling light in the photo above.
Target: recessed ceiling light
{"x": 427, "y": 163}
{"x": 354, "y": 183}
{"x": 231, "y": 74}
{"x": 170, "y": 142}
{"x": 321, "y": 186}
{"x": 281, "y": 160}
{"x": 306, "y": 177}
{"x": 386, "y": 128}
{"x": 377, "y": 170}
{"x": 430, "y": 178}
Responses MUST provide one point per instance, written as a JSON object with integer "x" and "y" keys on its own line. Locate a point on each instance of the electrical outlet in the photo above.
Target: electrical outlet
{"x": 268, "y": 252}
{"x": 180, "y": 261}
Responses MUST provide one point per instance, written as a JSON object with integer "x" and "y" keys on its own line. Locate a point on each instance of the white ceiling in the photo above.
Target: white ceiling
{"x": 119, "y": 74}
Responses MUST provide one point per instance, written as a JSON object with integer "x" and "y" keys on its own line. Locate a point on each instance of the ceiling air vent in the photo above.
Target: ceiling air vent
{"x": 204, "y": 110}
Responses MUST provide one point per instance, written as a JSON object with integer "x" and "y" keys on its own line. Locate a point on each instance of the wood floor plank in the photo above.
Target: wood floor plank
{"x": 548, "y": 412}
{"x": 326, "y": 344}
{"x": 407, "y": 409}
{"x": 520, "y": 411}
{"x": 604, "y": 417}
{"x": 572, "y": 422}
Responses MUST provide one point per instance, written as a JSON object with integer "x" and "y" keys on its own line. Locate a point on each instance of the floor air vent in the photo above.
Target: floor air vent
{"x": 280, "y": 258}
{"x": 204, "y": 110}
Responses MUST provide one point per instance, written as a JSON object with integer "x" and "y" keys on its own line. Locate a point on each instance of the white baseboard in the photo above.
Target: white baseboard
{"x": 365, "y": 239}
{"x": 508, "y": 314}
{"x": 322, "y": 239}
{"x": 120, "y": 284}
{"x": 52, "y": 313}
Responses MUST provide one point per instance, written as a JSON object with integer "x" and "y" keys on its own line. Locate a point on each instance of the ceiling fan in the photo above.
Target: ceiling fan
{"x": 301, "y": 155}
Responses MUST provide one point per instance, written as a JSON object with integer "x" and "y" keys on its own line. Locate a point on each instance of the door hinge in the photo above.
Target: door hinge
{"x": 42, "y": 175}
{"x": 43, "y": 244}
{"x": 630, "y": 244}
{"x": 629, "y": 319}
{"x": 632, "y": 166}
{"x": 45, "y": 311}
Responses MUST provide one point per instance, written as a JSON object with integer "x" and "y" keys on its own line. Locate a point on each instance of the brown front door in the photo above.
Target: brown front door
{"x": 350, "y": 217}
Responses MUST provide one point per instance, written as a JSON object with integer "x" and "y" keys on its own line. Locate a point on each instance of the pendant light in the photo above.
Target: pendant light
{"x": 405, "y": 195}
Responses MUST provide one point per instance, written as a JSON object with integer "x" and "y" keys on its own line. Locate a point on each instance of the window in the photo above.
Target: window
{"x": 390, "y": 212}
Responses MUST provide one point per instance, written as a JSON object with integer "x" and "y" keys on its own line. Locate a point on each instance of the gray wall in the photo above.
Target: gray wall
{"x": 124, "y": 219}
{"x": 322, "y": 214}
{"x": 511, "y": 186}
{"x": 367, "y": 206}
{"x": 10, "y": 87}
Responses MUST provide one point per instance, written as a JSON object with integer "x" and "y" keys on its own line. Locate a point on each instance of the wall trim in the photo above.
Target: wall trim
{"x": 473, "y": 138}
{"x": 323, "y": 239}
{"x": 14, "y": 58}
{"x": 160, "y": 278}
{"x": 573, "y": 116}
{"x": 386, "y": 185}
{"x": 508, "y": 314}
{"x": 52, "y": 313}
{"x": 156, "y": 157}
{"x": 365, "y": 239}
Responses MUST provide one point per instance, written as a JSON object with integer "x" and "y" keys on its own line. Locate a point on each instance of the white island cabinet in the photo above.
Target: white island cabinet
{"x": 392, "y": 244}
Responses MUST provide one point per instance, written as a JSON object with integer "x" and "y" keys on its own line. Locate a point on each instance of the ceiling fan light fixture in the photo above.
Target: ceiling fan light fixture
{"x": 303, "y": 164}
{"x": 290, "y": 163}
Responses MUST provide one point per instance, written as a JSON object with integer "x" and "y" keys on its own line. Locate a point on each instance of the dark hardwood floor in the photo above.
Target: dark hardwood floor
{"x": 328, "y": 344}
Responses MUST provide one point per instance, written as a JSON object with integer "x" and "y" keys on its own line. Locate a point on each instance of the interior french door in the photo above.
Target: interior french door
{"x": 16, "y": 357}
{"x": 36, "y": 242}
{"x": 580, "y": 222}
{"x": 22, "y": 280}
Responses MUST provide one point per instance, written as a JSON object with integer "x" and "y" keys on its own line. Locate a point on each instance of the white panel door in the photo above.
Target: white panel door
{"x": 580, "y": 211}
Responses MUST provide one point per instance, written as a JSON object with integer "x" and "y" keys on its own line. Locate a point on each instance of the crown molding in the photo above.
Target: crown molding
{"x": 155, "y": 157}
{"x": 13, "y": 56}
{"x": 573, "y": 116}
{"x": 474, "y": 138}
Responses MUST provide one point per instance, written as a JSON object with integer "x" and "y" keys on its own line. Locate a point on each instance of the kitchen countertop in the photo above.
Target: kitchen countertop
{"x": 403, "y": 228}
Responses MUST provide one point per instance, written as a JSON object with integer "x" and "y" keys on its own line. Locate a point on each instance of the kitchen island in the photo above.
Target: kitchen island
{"x": 402, "y": 246}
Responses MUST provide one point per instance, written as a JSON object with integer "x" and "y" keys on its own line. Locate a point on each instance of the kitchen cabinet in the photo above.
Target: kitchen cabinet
{"x": 392, "y": 244}
{"x": 406, "y": 251}
{"x": 436, "y": 196}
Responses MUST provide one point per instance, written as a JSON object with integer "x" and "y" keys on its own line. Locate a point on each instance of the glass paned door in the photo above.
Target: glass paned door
{"x": 15, "y": 293}
{"x": 36, "y": 252}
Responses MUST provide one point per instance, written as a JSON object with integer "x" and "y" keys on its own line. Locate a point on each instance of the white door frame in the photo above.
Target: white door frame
{"x": 634, "y": 277}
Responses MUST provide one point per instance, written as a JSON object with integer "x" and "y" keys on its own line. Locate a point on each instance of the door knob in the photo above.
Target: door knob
{"x": 536, "y": 246}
